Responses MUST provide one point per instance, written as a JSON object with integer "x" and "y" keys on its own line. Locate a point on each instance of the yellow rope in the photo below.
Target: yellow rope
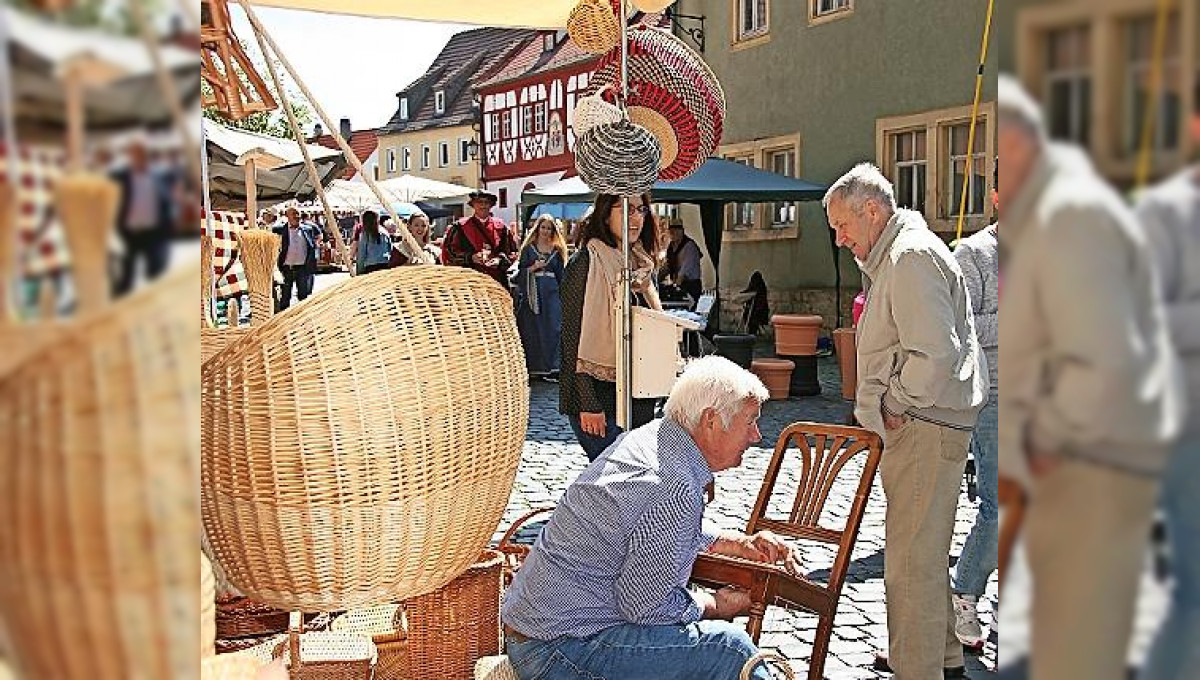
{"x": 1146, "y": 150}
{"x": 962, "y": 203}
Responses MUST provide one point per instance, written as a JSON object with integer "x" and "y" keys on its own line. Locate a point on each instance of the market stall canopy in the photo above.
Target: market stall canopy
{"x": 288, "y": 179}
{"x": 412, "y": 188}
{"x": 514, "y": 13}
{"x": 717, "y": 180}
{"x": 41, "y": 52}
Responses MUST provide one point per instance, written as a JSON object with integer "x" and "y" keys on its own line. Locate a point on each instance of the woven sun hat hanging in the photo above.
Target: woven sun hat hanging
{"x": 618, "y": 158}
{"x": 670, "y": 86}
{"x": 592, "y": 110}
{"x": 593, "y": 26}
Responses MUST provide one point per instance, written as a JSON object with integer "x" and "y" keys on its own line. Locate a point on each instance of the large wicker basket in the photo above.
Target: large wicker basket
{"x": 452, "y": 628}
{"x": 97, "y": 554}
{"x": 361, "y": 447}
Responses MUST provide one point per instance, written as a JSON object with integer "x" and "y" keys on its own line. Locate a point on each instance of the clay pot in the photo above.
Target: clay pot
{"x": 776, "y": 374}
{"x": 796, "y": 335}
{"x": 845, "y": 346}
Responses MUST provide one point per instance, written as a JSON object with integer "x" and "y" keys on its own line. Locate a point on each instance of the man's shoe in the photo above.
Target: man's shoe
{"x": 966, "y": 621}
{"x": 881, "y": 665}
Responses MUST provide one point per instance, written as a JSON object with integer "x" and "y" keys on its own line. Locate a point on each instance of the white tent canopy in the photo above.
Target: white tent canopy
{"x": 515, "y": 13}
{"x": 283, "y": 178}
{"x": 412, "y": 188}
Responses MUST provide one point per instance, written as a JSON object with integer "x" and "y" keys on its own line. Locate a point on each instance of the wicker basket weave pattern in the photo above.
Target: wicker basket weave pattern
{"x": 452, "y": 628}
{"x": 593, "y": 26}
{"x": 99, "y": 486}
{"x": 360, "y": 448}
{"x": 620, "y": 159}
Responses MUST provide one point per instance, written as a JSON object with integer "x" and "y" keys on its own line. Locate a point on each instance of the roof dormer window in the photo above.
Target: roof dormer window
{"x": 404, "y": 108}
{"x": 549, "y": 39}
{"x": 439, "y": 101}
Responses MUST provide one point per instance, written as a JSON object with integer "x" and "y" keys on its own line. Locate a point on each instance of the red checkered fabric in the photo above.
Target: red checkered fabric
{"x": 41, "y": 242}
{"x": 228, "y": 275}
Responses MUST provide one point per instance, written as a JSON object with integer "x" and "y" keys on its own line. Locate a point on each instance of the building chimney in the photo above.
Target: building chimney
{"x": 344, "y": 125}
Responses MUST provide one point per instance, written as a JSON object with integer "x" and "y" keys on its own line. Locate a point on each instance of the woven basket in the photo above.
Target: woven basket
{"x": 591, "y": 110}
{"x": 259, "y": 251}
{"x": 452, "y": 628}
{"x": 327, "y": 656}
{"x": 386, "y": 627}
{"x": 765, "y": 658}
{"x": 99, "y": 484}
{"x": 343, "y": 462}
{"x": 620, "y": 159}
{"x": 208, "y": 609}
{"x": 244, "y": 618}
{"x": 668, "y": 118}
{"x": 593, "y": 26}
{"x": 515, "y": 553}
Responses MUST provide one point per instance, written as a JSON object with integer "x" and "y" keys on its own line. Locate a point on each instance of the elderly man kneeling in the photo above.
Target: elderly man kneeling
{"x": 604, "y": 591}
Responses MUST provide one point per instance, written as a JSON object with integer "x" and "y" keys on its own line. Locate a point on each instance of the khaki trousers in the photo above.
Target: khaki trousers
{"x": 1087, "y": 529}
{"x": 922, "y": 471}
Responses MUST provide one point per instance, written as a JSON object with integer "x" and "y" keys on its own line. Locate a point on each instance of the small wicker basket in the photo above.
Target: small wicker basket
{"x": 386, "y": 627}
{"x": 327, "y": 656}
{"x": 452, "y": 628}
{"x": 593, "y": 26}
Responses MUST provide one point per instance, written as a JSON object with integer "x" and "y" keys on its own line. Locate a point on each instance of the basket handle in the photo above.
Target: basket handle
{"x": 295, "y": 629}
{"x": 516, "y": 526}
{"x": 763, "y": 658}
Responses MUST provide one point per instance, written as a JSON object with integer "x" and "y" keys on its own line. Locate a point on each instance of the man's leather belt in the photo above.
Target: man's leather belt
{"x": 510, "y": 632}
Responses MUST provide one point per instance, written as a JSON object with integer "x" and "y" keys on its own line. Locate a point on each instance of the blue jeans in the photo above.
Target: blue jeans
{"x": 594, "y": 446}
{"x": 978, "y": 559}
{"x": 1176, "y": 651}
{"x": 706, "y": 649}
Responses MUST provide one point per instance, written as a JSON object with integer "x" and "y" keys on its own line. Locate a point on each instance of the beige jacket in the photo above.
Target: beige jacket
{"x": 917, "y": 350}
{"x": 1086, "y": 366}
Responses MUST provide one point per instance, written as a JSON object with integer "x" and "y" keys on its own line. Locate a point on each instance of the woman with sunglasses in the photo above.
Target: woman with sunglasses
{"x": 591, "y": 288}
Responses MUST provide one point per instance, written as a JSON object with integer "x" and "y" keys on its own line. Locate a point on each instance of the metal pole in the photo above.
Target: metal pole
{"x": 626, "y": 377}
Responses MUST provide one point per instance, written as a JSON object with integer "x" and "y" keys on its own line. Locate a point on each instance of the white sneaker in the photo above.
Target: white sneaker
{"x": 966, "y": 621}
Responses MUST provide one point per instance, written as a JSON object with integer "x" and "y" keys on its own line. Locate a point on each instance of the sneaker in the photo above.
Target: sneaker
{"x": 953, "y": 673}
{"x": 966, "y": 621}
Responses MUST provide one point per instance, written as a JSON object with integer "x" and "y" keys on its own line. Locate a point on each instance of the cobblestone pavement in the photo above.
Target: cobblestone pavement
{"x": 552, "y": 459}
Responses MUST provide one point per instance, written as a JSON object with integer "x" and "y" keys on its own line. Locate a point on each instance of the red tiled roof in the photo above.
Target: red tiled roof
{"x": 362, "y": 142}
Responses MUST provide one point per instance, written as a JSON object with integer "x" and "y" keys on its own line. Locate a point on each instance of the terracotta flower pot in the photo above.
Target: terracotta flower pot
{"x": 776, "y": 374}
{"x": 847, "y": 353}
{"x": 796, "y": 335}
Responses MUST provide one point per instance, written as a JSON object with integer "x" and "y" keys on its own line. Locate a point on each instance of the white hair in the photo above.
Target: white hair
{"x": 862, "y": 183}
{"x": 1015, "y": 107}
{"x": 716, "y": 383}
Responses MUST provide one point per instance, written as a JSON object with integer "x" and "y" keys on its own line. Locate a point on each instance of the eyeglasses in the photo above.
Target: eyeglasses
{"x": 641, "y": 209}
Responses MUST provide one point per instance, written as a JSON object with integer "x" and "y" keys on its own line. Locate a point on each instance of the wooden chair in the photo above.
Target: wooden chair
{"x": 1012, "y": 501}
{"x": 824, "y": 451}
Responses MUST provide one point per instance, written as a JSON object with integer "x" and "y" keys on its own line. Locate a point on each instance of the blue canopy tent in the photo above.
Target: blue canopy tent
{"x": 562, "y": 211}
{"x": 717, "y": 183}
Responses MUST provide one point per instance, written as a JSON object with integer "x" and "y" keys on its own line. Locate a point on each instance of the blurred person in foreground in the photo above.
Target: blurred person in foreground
{"x": 603, "y": 593}
{"x": 922, "y": 380}
{"x": 1170, "y": 214}
{"x": 1092, "y": 396}
{"x": 145, "y": 216}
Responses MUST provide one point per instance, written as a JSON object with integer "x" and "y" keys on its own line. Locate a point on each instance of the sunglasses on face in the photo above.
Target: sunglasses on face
{"x": 642, "y": 209}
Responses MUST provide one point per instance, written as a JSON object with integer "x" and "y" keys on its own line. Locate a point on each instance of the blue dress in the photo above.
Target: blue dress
{"x": 539, "y": 309}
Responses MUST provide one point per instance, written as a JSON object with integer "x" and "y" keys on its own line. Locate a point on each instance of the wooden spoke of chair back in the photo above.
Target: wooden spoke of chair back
{"x": 824, "y": 451}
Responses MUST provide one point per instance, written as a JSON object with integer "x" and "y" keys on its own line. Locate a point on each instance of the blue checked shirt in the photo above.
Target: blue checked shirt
{"x": 621, "y": 543}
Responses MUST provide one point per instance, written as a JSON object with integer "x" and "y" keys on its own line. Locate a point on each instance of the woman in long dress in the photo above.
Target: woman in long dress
{"x": 539, "y": 307}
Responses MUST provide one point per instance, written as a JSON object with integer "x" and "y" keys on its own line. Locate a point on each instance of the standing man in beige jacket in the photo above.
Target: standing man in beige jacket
{"x": 1091, "y": 397}
{"x": 922, "y": 381}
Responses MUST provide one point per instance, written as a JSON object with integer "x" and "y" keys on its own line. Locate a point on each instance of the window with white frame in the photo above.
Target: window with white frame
{"x": 823, "y": 8}
{"x": 391, "y": 160}
{"x": 506, "y": 124}
{"x": 404, "y": 108}
{"x": 439, "y": 102}
{"x": 424, "y": 156}
{"x": 743, "y": 213}
{"x": 1139, "y": 34}
{"x": 443, "y": 154}
{"x": 961, "y": 165}
{"x": 406, "y": 159}
{"x": 526, "y": 120}
{"x": 782, "y": 162}
{"x": 495, "y": 128}
{"x": 1068, "y": 79}
{"x": 909, "y": 168}
{"x": 539, "y": 117}
{"x": 752, "y": 18}
{"x": 464, "y": 151}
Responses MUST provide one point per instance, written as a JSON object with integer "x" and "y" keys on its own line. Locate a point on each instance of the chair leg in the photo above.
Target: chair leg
{"x": 758, "y": 609}
{"x": 816, "y": 663}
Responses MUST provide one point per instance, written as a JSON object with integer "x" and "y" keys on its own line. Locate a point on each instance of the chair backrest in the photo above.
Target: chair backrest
{"x": 824, "y": 450}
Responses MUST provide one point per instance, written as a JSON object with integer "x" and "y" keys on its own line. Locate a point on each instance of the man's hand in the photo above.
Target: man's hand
{"x": 891, "y": 422}
{"x": 765, "y": 546}
{"x": 593, "y": 424}
{"x": 731, "y": 602}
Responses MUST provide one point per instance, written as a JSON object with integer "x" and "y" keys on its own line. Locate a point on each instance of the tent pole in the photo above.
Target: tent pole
{"x": 415, "y": 252}
{"x": 968, "y": 170}
{"x": 625, "y": 378}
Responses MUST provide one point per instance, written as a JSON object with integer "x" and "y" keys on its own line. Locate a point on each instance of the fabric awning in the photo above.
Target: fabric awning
{"x": 502, "y": 13}
{"x": 287, "y": 181}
